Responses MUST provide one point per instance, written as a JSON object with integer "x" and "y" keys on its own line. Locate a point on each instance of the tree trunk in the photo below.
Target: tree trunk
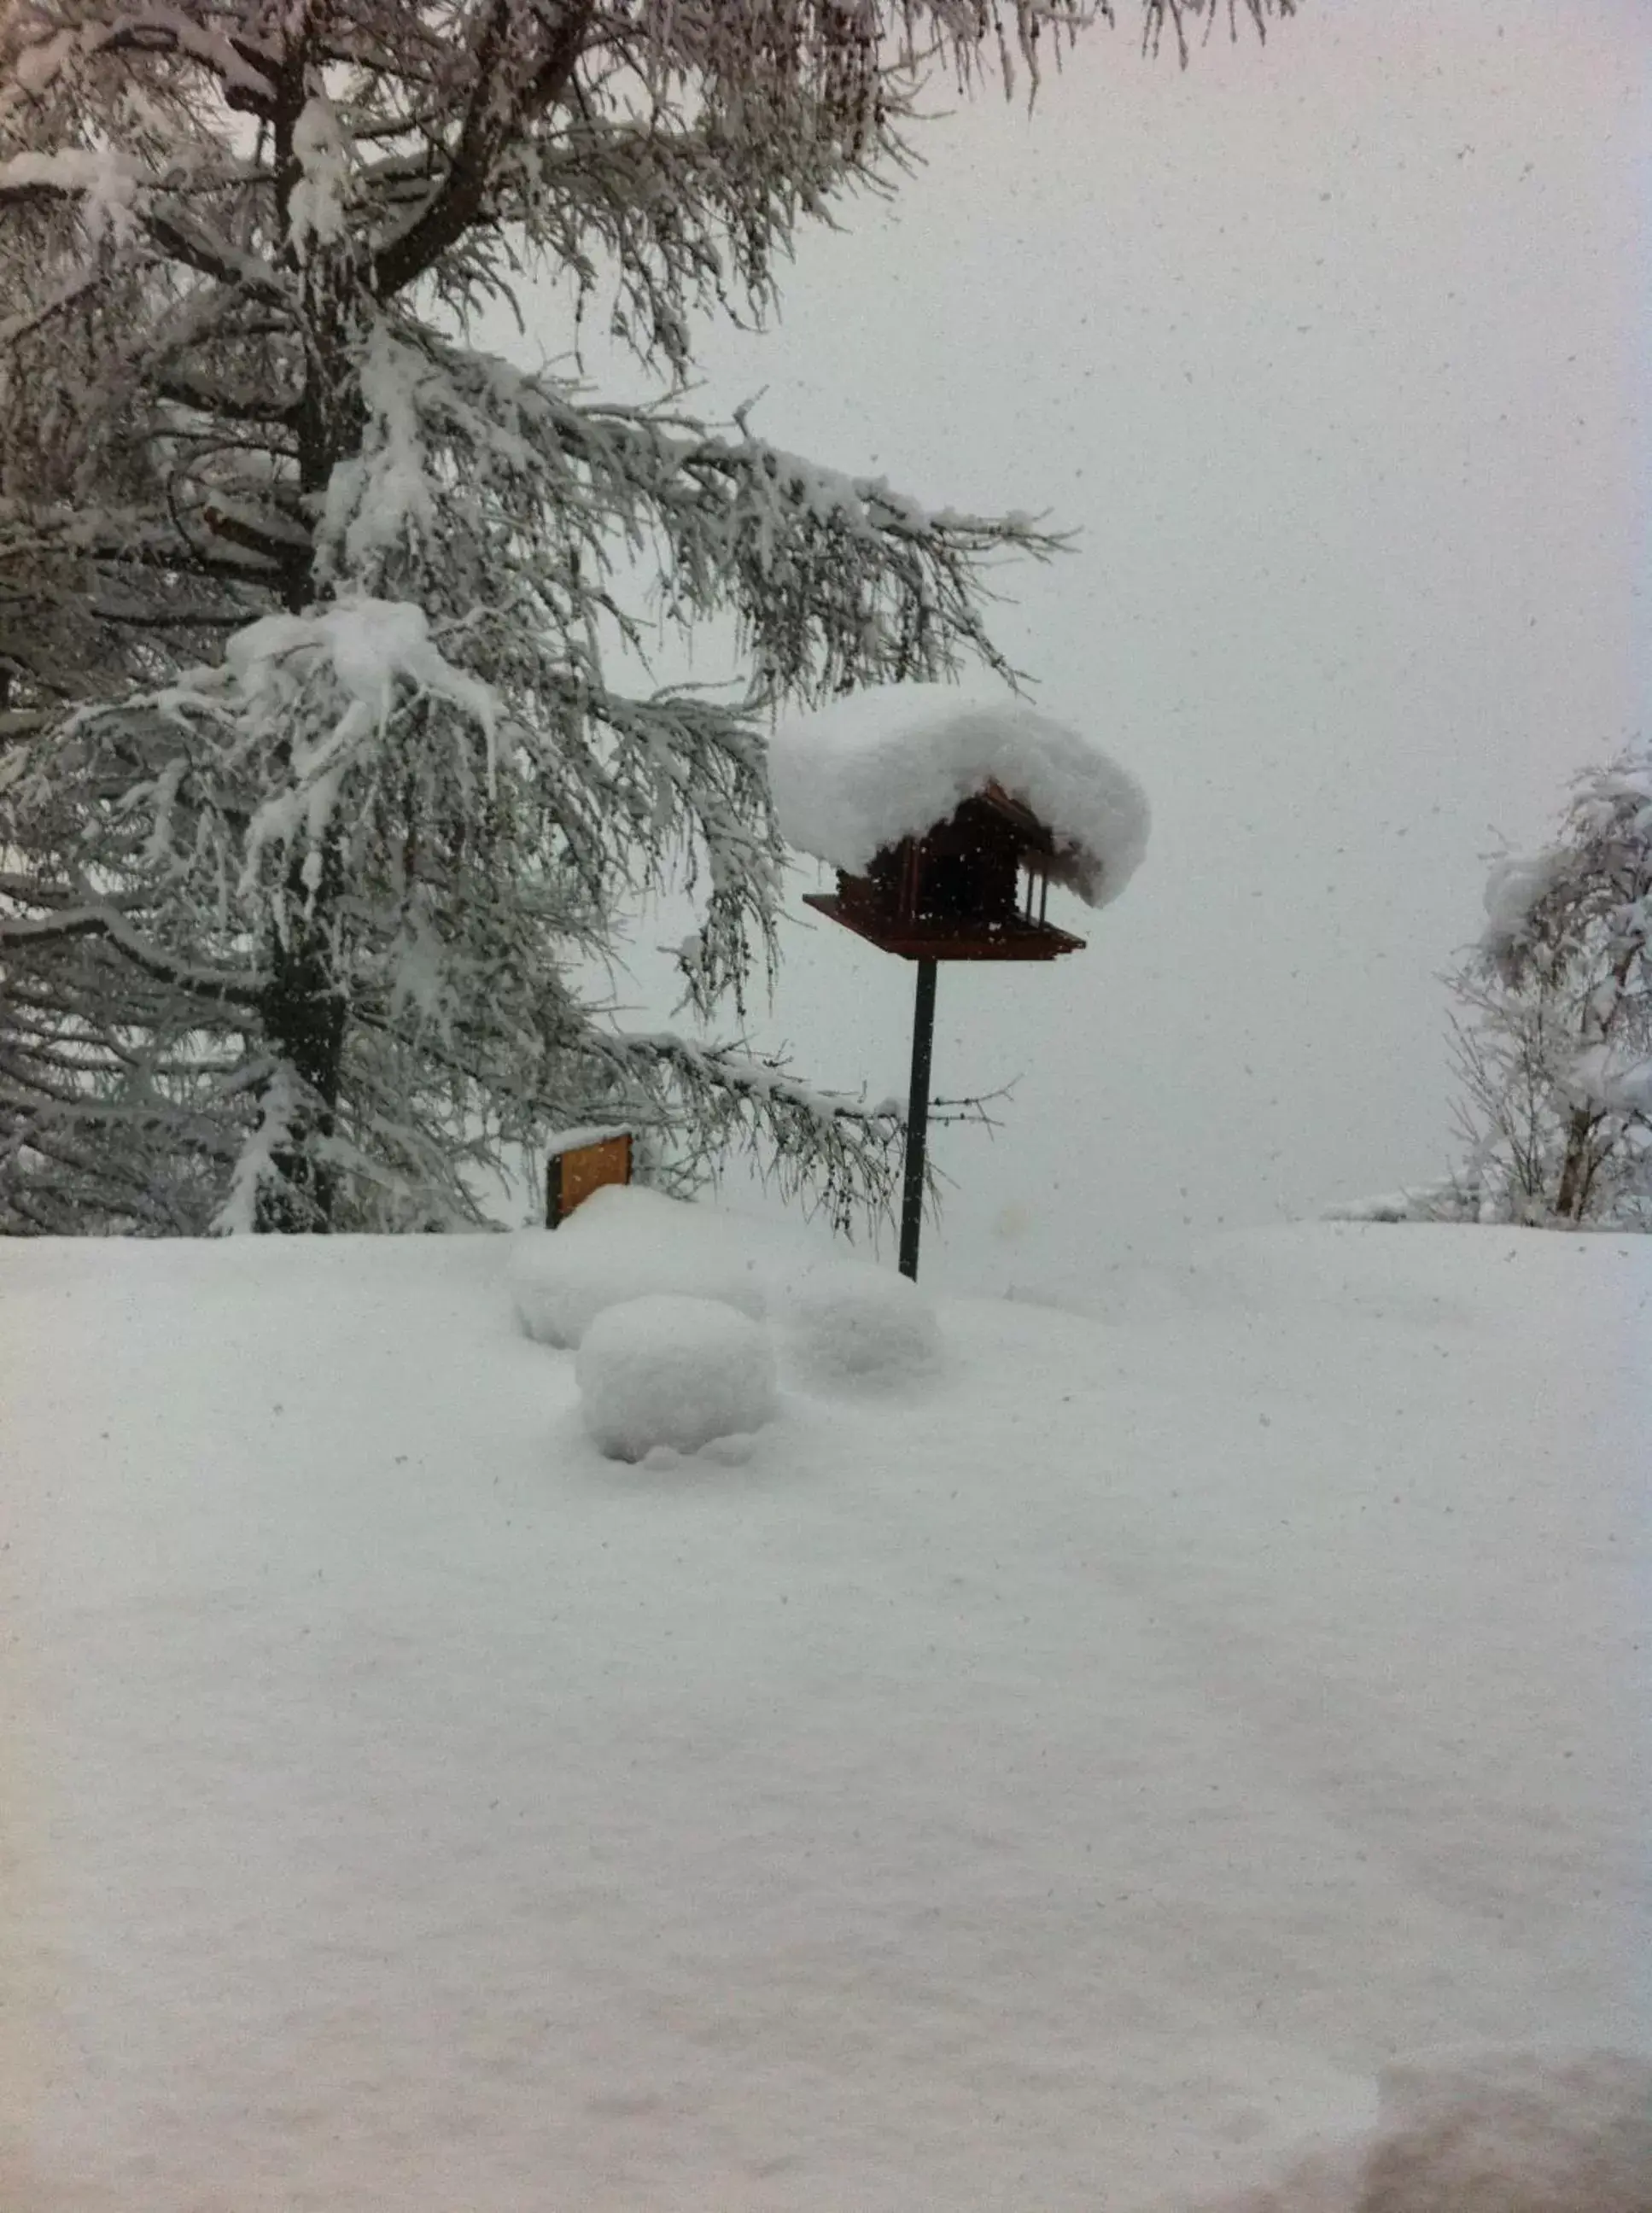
{"x": 304, "y": 1014}
{"x": 1577, "y": 1170}
{"x": 1583, "y": 1163}
{"x": 305, "y": 1006}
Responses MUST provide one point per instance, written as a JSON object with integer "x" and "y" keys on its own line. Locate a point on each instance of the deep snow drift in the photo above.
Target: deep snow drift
{"x": 1063, "y": 1779}
{"x": 628, "y": 1242}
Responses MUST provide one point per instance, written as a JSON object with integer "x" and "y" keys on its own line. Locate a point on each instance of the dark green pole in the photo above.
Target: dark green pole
{"x": 917, "y": 1118}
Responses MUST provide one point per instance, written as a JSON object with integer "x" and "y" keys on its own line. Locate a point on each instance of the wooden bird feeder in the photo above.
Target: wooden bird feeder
{"x": 853, "y": 782}
{"x": 975, "y": 887}
{"x": 972, "y": 888}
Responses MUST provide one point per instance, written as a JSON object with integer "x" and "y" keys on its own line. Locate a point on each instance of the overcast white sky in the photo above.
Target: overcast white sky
{"x": 1332, "y": 353}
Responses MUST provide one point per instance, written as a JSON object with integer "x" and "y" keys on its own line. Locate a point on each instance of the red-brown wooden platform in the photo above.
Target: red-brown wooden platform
{"x": 1021, "y": 939}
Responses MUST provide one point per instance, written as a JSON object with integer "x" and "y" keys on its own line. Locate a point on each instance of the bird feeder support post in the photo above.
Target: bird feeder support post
{"x": 917, "y": 1117}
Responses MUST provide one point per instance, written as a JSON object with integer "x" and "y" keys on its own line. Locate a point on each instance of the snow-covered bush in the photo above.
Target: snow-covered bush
{"x": 1515, "y": 2133}
{"x": 848, "y": 1324}
{"x": 1552, "y": 1029}
{"x": 1499, "y": 2132}
{"x": 673, "y": 1372}
{"x": 1554, "y": 1041}
{"x": 623, "y": 1243}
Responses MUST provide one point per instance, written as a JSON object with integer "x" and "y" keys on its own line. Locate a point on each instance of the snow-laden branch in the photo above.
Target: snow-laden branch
{"x": 46, "y": 58}
{"x": 216, "y": 984}
{"x": 103, "y": 183}
{"x": 834, "y": 578}
{"x": 510, "y": 86}
{"x": 837, "y": 1151}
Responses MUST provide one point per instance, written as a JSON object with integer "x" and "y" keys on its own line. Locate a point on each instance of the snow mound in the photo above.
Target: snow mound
{"x": 627, "y": 1242}
{"x": 849, "y": 1323}
{"x": 891, "y": 763}
{"x": 672, "y": 1374}
{"x": 1501, "y": 2132}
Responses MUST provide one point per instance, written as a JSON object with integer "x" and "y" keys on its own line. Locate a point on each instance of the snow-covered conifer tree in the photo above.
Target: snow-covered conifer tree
{"x": 317, "y": 763}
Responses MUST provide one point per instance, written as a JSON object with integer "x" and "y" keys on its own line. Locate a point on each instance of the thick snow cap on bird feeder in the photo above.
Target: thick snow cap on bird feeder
{"x": 931, "y": 803}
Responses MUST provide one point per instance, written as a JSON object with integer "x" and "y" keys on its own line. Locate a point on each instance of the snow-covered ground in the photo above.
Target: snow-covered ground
{"x": 1062, "y": 1780}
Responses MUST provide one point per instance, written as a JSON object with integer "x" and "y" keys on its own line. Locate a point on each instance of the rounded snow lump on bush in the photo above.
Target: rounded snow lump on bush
{"x": 667, "y": 1370}
{"x": 852, "y": 1323}
{"x": 623, "y": 1243}
{"x": 1515, "y": 2132}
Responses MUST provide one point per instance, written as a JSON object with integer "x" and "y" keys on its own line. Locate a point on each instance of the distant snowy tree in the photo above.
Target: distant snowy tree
{"x": 1553, "y": 1034}
{"x": 313, "y": 776}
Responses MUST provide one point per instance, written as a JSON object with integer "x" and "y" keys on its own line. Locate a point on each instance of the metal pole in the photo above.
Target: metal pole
{"x": 917, "y": 1117}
